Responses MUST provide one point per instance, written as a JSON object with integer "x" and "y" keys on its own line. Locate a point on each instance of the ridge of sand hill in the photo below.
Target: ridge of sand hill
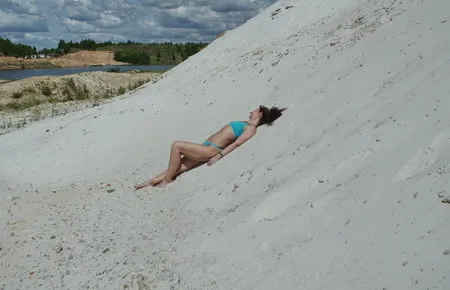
{"x": 347, "y": 191}
{"x": 77, "y": 59}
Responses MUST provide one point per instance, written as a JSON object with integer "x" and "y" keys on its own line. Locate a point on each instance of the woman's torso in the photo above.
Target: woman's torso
{"x": 228, "y": 133}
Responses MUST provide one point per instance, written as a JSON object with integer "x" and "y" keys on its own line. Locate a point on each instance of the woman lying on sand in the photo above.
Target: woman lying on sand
{"x": 185, "y": 155}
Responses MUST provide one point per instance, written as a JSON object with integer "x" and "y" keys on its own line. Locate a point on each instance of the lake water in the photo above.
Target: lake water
{"x": 26, "y": 73}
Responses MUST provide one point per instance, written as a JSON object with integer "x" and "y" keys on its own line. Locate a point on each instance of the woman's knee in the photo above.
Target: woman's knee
{"x": 176, "y": 145}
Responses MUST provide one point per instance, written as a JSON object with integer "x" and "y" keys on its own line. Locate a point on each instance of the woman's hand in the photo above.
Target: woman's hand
{"x": 213, "y": 160}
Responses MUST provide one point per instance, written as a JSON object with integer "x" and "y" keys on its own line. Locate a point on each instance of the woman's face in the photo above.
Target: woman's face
{"x": 255, "y": 114}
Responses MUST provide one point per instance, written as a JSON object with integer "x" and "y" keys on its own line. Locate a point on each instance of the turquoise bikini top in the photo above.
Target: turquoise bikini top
{"x": 238, "y": 127}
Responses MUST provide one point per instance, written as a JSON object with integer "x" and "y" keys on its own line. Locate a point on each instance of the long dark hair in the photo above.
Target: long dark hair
{"x": 269, "y": 115}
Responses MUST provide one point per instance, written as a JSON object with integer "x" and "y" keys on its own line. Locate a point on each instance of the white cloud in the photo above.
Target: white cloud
{"x": 137, "y": 20}
{"x": 169, "y": 4}
{"x": 20, "y": 6}
{"x": 76, "y": 26}
{"x": 13, "y": 22}
{"x": 103, "y": 37}
{"x": 82, "y": 12}
{"x": 108, "y": 21}
{"x": 39, "y": 40}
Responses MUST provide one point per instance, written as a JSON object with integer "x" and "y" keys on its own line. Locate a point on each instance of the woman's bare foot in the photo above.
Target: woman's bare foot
{"x": 142, "y": 185}
{"x": 146, "y": 183}
{"x": 163, "y": 183}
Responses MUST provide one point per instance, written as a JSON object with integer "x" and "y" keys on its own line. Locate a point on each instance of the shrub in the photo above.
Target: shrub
{"x": 72, "y": 92}
{"x": 17, "y": 95}
{"x": 13, "y": 105}
{"x": 46, "y": 91}
{"x": 82, "y": 94}
{"x": 138, "y": 83}
{"x": 29, "y": 90}
{"x": 114, "y": 69}
{"x": 70, "y": 83}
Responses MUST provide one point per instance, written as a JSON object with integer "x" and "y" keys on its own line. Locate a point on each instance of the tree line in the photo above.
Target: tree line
{"x": 163, "y": 53}
{"x": 18, "y": 50}
{"x": 130, "y": 51}
{"x": 138, "y": 53}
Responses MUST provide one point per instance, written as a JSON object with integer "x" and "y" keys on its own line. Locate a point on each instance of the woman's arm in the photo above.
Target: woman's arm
{"x": 246, "y": 135}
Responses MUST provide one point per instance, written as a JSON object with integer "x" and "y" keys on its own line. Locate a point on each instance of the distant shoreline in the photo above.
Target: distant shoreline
{"x": 81, "y": 58}
{"x": 50, "y": 66}
{"x": 19, "y": 74}
{"x": 6, "y": 64}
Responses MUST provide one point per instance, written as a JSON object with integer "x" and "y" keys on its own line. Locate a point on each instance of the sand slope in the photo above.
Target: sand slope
{"x": 344, "y": 192}
{"x": 87, "y": 57}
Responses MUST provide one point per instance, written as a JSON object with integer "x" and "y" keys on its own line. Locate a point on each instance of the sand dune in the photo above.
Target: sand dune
{"x": 345, "y": 191}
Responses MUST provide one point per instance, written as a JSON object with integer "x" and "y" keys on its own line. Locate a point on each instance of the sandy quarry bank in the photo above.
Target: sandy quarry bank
{"x": 36, "y": 98}
{"x": 80, "y": 58}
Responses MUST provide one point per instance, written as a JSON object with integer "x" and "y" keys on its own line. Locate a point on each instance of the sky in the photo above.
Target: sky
{"x": 42, "y": 23}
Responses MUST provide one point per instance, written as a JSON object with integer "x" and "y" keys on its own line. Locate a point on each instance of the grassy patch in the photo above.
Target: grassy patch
{"x": 159, "y": 71}
{"x": 13, "y": 106}
{"x": 70, "y": 83}
{"x": 73, "y": 92}
{"x": 29, "y": 90}
{"x": 136, "y": 84}
{"x": 69, "y": 89}
{"x": 108, "y": 94}
{"x": 22, "y": 104}
{"x": 53, "y": 100}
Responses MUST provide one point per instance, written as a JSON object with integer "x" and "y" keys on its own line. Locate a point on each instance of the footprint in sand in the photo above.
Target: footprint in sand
{"x": 350, "y": 164}
{"x": 280, "y": 198}
{"x": 272, "y": 206}
{"x": 424, "y": 157}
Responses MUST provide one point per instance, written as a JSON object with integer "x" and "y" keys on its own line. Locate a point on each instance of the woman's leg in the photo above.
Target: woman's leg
{"x": 186, "y": 164}
{"x": 152, "y": 181}
{"x": 192, "y": 151}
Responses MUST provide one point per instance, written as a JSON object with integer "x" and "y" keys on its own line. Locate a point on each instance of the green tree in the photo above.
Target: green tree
{"x": 61, "y": 44}
{"x": 158, "y": 56}
{"x": 132, "y": 56}
{"x": 88, "y": 44}
{"x": 18, "y": 50}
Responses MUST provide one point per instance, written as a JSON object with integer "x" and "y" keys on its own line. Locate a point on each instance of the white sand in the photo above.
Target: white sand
{"x": 343, "y": 192}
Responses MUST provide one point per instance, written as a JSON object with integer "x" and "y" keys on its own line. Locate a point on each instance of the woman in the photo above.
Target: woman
{"x": 185, "y": 155}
